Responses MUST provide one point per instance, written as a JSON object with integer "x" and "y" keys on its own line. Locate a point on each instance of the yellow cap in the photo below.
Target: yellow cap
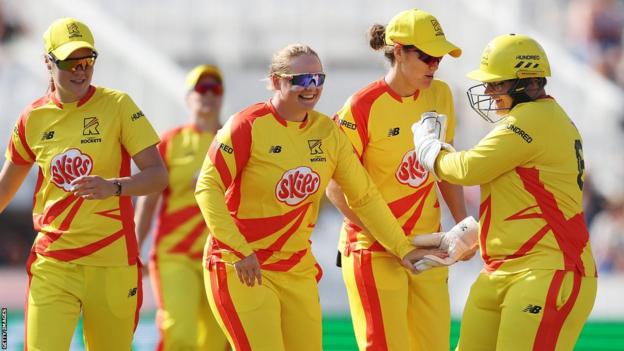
{"x": 196, "y": 73}
{"x": 421, "y": 29}
{"x": 65, "y": 36}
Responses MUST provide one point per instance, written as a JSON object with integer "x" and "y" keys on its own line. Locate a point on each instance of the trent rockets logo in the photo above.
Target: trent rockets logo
{"x": 68, "y": 166}
{"x": 437, "y": 28}
{"x": 297, "y": 185}
{"x": 410, "y": 171}
{"x": 73, "y": 31}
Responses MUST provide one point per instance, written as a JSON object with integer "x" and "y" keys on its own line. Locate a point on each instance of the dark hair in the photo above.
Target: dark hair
{"x": 377, "y": 41}
{"x": 518, "y": 91}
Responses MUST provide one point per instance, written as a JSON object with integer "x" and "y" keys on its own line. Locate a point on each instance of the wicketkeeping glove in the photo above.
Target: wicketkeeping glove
{"x": 427, "y": 134}
{"x": 461, "y": 241}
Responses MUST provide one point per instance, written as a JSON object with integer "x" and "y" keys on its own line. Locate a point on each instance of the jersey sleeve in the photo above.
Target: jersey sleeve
{"x": 18, "y": 150}
{"x": 366, "y": 201}
{"x": 137, "y": 133}
{"x": 226, "y": 158}
{"x": 504, "y": 148}
{"x": 353, "y": 123}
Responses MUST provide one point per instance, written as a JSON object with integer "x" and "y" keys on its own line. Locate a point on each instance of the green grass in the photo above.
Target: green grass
{"x": 338, "y": 334}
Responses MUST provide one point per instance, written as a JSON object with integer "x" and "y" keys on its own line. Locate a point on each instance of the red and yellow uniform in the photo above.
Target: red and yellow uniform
{"x": 85, "y": 250}
{"x": 184, "y": 317}
{"x": 533, "y": 237}
{"x": 390, "y": 307}
{"x": 259, "y": 191}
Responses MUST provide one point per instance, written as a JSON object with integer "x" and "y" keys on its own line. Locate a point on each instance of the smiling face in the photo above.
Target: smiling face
{"x": 71, "y": 85}
{"x": 498, "y": 91}
{"x": 294, "y": 98}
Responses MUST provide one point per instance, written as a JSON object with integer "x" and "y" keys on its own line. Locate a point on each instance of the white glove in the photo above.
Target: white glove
{"x": 431, "y": 261}
{"x": 427, "y": 144}
{"x": 461, "y": 241}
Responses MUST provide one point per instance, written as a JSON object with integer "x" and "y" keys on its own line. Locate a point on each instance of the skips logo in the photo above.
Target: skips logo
{"x": 410, "y": 171}
{"x": 68, "y": 166}
{"x": 297, "y": 185}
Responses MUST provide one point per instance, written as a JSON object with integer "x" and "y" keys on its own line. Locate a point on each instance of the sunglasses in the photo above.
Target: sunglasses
{"x": 426, "y": 58}
{"x": 73, "y": 64}
{"x": 304, "y": 80}
{"x": 214, "y": 88}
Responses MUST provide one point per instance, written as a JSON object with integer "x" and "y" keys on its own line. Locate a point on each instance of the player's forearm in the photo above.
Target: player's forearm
{"x": 151, "y": 179}
{"x": 11, "y": 177}
{"x": 454, "y": 198}
{"x": 145, "y": 209}
{"x": 336, "y": 196}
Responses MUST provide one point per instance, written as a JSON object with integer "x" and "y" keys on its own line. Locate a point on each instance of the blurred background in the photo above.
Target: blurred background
{"x": 147, "y": 46}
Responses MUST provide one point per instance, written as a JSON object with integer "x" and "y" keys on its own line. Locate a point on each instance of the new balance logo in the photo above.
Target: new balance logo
{"x": 394, "y": 131}
{"x": 275, "y": 149}
{"x": 534, "y": 309}
{"x": 47, "y": 135}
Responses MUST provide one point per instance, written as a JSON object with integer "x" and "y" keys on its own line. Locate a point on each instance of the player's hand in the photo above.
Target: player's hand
{"x": 432, "y": 261}
{"x": 410, "y": 259}
{"x": 248, "y": 270}
{"x": 461, "y": 242}
{"x": 93, "y": 187}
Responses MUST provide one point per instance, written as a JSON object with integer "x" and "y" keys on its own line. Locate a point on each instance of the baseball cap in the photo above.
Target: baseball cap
{"x": 196, "y": 73}
{"x": 66, "y": 35}
{"x": 421, "y": 29}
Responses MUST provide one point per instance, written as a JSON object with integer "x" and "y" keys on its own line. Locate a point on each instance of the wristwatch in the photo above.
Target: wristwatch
{"x": 118, "y": 184}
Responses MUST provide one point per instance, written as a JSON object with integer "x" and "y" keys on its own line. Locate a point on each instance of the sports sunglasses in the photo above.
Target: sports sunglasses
{"x": 426, "y": 58}
{"x": 304, "y": 80}
{"x": 73, "y": 64}
{"x": 215, "y": 88}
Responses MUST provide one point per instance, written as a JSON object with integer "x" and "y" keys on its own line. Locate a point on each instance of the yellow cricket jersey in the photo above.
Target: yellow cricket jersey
{"x": 181, "y": 230}
{"x": 378, "y": 123}
{"x": 262, "y": 181}
{"x": 530, "y": 168}
{"x": 97, "y": 135}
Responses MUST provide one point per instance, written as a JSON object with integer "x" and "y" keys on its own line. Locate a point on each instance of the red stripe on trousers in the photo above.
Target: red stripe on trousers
{"x": 365, "y": 280}
{"x": 225, "y": 305}
{"x": 31, "y": 259}
{"x": 553, "y": 319}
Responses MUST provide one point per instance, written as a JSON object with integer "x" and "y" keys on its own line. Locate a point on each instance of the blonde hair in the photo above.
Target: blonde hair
{"x": 280, "y": 63}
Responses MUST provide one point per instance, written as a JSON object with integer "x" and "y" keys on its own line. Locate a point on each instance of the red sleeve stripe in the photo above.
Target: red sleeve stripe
{"x": 361, "y": 104}
{"x": 21, "y": 132}
{"x": 219, "y": 162}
